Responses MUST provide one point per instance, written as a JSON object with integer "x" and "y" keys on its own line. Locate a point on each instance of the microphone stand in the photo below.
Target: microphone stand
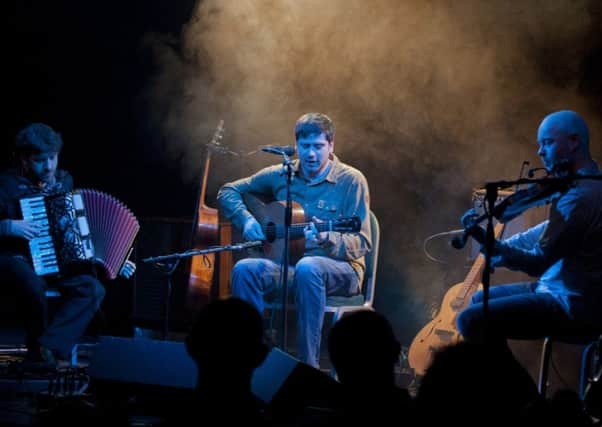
{"x": 167, "y": 264}
{"x": 491, "y": 192}
{"x": 288, "y": 219}
{"x": 167, "y": 270}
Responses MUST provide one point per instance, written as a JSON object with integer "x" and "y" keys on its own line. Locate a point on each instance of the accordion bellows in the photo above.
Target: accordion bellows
{"x": 81, "y": 225}
{"x": 113, "y": 227}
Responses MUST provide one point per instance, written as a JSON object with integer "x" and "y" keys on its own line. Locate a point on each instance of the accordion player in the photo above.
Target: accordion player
{"x": 79, "y": 226}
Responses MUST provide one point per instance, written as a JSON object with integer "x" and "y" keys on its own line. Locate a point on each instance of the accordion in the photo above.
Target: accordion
{"x": 79, "y": 226}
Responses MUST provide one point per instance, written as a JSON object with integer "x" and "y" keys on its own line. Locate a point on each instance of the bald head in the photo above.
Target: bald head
{"x": 563, "y": 138}
{"x": 570, "y": 123}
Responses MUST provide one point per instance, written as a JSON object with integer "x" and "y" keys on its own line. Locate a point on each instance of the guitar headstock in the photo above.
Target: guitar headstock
{"x": 350, "y": 224}
{"x": 215, "y": 143}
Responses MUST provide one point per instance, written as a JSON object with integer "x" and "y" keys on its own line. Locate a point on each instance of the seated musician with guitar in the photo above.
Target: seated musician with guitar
{"x": 37, "y": 148}
{"x": 331, "y": 262}
{"x": 564, "y": 251}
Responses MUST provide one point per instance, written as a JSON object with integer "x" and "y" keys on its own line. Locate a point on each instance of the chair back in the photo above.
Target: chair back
{"x": 366, "y": 297}
{"x": 371, "y": 262}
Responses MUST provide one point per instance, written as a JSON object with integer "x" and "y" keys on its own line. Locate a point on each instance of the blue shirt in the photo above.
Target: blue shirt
{"x": 565, "y": 251}
{"x": 342, "y": 192}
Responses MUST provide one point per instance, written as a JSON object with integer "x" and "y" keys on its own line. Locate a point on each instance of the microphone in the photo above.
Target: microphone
{"x": 289, "y": 150}
{"x": 459, "y": 242}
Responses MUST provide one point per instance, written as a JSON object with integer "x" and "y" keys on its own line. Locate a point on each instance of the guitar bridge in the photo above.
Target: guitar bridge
{"x": 445, "y": 335}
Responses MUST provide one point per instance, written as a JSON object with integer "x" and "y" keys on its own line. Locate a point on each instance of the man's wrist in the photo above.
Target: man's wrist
{"x": 6, "y": 227}
{"x": 323, "y": 238}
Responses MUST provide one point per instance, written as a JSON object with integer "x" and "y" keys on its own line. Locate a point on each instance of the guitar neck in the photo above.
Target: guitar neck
{"x": 296, "y": 230}
{"x": 473, "y": 278}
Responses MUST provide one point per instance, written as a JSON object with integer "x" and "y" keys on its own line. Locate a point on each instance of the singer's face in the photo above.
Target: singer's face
{"x": 314, "y": 151}
{"x": 556, "y": 145}
{"x": 41, "y": 168}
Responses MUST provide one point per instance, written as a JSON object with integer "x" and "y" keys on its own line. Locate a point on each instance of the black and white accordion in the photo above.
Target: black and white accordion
{"x": 78, "y": 226}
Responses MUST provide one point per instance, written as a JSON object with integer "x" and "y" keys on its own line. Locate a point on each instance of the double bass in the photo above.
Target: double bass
{"x": 205, "y": 233}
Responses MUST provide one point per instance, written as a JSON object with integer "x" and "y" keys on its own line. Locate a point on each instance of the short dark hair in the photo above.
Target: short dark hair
{"x": 312, "y": 123}
{"x": 37, "y": 138}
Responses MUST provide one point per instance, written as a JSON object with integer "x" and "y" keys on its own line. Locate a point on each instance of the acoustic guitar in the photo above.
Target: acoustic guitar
{"x": 271, "y": 217}
{"x": 442, "y": 331}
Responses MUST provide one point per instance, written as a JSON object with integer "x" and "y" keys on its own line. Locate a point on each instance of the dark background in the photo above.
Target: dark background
{"x": 430, "y": 100}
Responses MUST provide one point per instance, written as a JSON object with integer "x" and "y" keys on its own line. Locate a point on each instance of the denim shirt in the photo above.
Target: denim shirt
{"x": 565, "y": 250}
{"x": 342, "y": 192}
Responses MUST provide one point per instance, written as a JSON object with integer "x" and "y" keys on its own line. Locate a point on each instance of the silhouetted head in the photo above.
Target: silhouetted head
{"x": 363, "y": 349}
{"x": 483, "y": 378}
{"x": 227, "y": 338}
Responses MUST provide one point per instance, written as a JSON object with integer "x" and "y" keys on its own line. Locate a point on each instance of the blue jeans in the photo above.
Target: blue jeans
{"x": 516, "y": 311}
{"x": 314, "y": 278}
{"x": 81, "y": 297}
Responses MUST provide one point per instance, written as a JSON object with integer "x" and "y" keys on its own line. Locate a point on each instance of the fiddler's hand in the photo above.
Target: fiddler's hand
{"x": 469, "y": 218}
{"x": 469, "y": 221}
{"x": 128, "y": 269}
{"x": 24, "y": 229}
{"x": 252, "y": 230}
{"x": 312, "y": 234}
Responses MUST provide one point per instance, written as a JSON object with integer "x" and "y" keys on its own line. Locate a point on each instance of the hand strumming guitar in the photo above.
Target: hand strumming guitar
{"x": 252, "y": 230}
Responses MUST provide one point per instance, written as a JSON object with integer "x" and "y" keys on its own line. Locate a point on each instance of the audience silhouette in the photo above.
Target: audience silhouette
{"x": 475, "y": 383}
{"x": 227, "y": 343}
{"x": 478, "y": 381}
{"x": 363, "y": 350}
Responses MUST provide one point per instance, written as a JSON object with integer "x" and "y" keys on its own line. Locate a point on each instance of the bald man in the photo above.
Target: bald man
{"x": 565, "y": 251}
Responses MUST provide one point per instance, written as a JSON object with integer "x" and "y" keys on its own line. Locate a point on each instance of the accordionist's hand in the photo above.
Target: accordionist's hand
{"x": 24, "y": 229}
{"x": 128, "y": 269}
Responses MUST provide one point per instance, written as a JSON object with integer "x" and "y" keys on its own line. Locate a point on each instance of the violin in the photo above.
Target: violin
{"x": 538, "y": 193}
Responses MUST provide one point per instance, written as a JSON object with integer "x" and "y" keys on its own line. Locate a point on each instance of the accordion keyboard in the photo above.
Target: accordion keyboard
{"x": 42, "y": 249}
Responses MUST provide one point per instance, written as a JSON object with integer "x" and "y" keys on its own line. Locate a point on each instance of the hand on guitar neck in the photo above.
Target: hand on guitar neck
{"x": 252, "y": 231}
{"x": 312, "y": 234}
